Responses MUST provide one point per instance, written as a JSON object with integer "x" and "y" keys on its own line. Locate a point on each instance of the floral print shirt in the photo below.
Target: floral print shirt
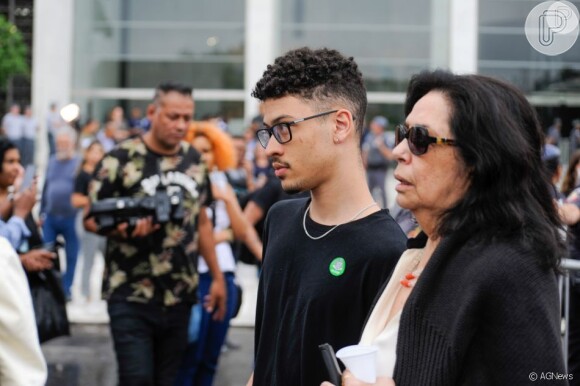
{"x": 160, "y": 267}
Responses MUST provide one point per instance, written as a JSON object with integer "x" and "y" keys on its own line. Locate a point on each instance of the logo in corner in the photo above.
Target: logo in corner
{"x": 337, "y": 266}
{"x": 552, "y": 27}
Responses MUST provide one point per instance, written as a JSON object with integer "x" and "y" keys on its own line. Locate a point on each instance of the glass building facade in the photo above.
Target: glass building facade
{"x": 135, "y": 44}
{"x": 122, "y": 49}
{"x": 552, "y": 83}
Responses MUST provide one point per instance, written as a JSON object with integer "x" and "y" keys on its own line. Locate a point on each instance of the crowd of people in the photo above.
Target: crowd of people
{"x": 456, "y": 285}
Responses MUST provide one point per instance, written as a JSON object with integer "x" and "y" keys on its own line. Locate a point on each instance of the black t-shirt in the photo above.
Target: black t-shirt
{"x": 317, "y": 291}
{"x": 268, "y": 195}
{"x": 82, "y": 183}
{"x": 265, "y": 198}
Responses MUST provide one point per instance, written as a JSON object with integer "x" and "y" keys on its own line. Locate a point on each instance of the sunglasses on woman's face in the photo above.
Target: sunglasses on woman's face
{"x": 418, "y": 138}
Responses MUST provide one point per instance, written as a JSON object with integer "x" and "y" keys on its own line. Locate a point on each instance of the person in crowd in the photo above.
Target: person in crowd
{"x": 20, "y": 355}
{"x": 13, "y": 127}
{"x": 261, "y": 168}
{"x": 240, "y": 176}
{"x": 151, "y": 278}
{"x": 29, "y": 131}
{"x": 569, "y": 212}
{"x": 29, "y": 241}
{"x": 316, "y": 284}
{"x": 217, "y": 151}
{"x": 57, "y": 215}
{"x": 88, "y": 133}
{"x": 138, "y": 124}
{"x": 15, "y": 203}
{"x": 405, "y": 219}
{"x": 554, "y": 132}
{"x": 572, "y": 177}
{"x": 257, "y": 206}
{"x": 91, "y": 243}
{"x": 553, "y": 167}
{"x": 575, "y": 137}
{"x": 105, "y": 136}
{"x": 568, "y": 204}
{"x": 474, "y": 300}
{"x": 571, "y": 216}
{"x": 250, "y": 134}
{"x": 377, "y": 153}
{"x": 22, "y": 362}
{"x": 117, "y": 124}
{"x": 54, "y": 122}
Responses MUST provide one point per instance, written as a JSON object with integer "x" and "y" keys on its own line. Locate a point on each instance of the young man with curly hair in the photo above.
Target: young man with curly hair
{"x": 326, "y": 256}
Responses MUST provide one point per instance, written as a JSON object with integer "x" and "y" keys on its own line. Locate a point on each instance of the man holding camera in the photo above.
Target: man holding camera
{"x": 150, "y": 278}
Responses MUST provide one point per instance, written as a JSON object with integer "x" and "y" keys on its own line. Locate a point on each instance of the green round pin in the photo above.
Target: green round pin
{"x": 337, "y": 266}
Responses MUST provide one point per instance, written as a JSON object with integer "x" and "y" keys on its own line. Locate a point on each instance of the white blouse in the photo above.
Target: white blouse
{"x": 381, "y": 332}
{"x": 223, "y": 250}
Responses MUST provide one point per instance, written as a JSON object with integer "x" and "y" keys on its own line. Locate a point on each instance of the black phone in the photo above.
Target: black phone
{"x": 334, "y": 373}
{"x": 28, "y": 177}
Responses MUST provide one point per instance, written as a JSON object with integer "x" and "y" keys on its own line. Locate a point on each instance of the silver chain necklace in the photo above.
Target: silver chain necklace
{"x": 334, "y": 227}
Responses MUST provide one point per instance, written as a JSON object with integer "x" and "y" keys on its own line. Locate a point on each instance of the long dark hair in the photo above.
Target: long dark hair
{"x": 499, "y": 138}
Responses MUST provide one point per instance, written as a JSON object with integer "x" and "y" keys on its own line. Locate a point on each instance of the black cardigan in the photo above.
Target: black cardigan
{"x": 480, "y": 315}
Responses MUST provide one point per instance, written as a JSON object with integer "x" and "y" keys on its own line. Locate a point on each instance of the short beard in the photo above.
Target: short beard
{"x": 295, "y": 189}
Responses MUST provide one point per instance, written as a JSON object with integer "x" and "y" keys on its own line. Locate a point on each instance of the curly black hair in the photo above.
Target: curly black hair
{"x": 316, "y": 75}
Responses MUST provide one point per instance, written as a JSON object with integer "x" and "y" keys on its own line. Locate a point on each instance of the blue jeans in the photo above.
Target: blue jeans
{"x": 149, "y": 341}
{"x": 201, "y": 358}
{"x": 90, "y": 244}
{"x": 65, "y": 226}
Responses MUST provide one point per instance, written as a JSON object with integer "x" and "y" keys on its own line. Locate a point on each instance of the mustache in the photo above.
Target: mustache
{"x": 279, "y": 162}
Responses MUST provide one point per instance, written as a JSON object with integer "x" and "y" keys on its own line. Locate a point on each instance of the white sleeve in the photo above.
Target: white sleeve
{"x": 21, "y": 360}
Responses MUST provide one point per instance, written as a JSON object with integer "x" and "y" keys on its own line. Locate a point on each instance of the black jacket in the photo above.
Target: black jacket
{"x": 480, "y": 315}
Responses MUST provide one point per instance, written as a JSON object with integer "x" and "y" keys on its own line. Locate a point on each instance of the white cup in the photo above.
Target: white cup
{"x": 360, "y": 360}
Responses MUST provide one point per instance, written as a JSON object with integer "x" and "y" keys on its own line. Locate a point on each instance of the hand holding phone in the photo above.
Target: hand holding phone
{"x": 28, "y": 178}
{"x": 334, "y": 373}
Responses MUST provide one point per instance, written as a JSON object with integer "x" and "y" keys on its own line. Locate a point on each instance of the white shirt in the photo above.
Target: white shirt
{"x": 381, "y": 332}
{"x": 29, "y": 127}
{"x": 21, "y": 360}
{"x": 53, "y": 122}
{"x": 13, "y": 126}
{"x": 223, "y": 250}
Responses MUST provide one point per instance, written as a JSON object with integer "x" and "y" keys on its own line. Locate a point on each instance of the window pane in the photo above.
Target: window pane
{"x": 389, "y": 40}
{"x": 505, "y": 52}
{"x": 136, "y": 43}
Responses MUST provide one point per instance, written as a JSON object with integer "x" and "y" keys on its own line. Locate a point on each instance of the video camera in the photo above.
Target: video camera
{"x": 164, "y": 207}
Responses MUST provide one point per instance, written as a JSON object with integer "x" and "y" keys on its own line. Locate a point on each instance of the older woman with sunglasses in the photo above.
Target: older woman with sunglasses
{"x": 474, "y": 300}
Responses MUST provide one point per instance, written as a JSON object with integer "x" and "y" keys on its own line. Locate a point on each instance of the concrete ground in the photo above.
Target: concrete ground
{"x": 86, "y": 358}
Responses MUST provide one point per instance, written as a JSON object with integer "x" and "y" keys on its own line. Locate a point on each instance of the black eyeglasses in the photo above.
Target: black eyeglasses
{"x": 419, "y": 139}
{"x": 281, "y": 131}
